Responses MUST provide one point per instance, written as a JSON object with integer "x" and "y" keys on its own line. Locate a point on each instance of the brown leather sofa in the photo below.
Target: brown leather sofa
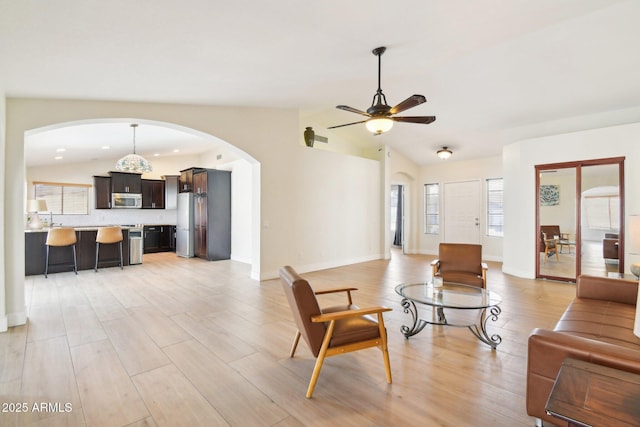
{"x": 610, "y": 246}
{"x": 596, "y": 327}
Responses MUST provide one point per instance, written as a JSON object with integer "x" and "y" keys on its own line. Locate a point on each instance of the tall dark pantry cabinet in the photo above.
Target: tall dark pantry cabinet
{"x": 212, "y": 214}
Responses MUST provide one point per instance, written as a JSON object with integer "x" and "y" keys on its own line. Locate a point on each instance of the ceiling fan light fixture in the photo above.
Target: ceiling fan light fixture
{"x": 134, "y": 162}
{"x": 379, "y": 125}
{"x": 444, "y": 153}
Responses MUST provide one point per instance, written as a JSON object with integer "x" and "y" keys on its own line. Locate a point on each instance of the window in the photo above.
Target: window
{"x": 495, "y": 207}
{"x": 602, "y": 211}
{"x": 432, "y": 208}
{"x": 65, "y": 199}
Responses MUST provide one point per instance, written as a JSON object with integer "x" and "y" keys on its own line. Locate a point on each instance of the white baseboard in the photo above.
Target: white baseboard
{"x": 518, "y": 273}
{"x": 15, "y": 319}
{"x": 244, "y": 260}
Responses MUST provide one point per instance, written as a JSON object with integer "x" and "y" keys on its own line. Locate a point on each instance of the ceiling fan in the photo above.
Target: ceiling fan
{"x": 380, "y": 115}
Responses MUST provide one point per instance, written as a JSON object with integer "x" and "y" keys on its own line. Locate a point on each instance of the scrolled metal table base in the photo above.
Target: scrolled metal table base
{"x": 418, "y": 324}
{"x": 479, "y": 330}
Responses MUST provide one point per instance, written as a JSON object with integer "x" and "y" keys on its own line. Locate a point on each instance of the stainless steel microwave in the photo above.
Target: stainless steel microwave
{"x": 126, "y": 201}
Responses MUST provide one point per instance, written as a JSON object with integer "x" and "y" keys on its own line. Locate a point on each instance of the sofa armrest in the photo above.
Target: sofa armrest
{"x": 547, "y": 350}
{"x": 607, "y": 289}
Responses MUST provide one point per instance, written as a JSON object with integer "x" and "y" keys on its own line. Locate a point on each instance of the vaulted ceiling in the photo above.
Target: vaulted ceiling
{"x": 493, "y": 71}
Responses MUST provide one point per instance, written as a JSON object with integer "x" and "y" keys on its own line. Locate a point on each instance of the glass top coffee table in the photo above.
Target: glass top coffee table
{"x": 472, "y": 307}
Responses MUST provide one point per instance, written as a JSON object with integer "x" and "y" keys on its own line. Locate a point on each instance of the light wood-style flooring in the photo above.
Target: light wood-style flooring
{"x": 564, "y": 264}
{"x": 185, "y": 342}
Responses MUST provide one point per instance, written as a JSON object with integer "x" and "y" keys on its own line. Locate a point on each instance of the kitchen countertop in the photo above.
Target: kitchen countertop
{"x": 94, "y": 227}
{"x": 78, "y": 228}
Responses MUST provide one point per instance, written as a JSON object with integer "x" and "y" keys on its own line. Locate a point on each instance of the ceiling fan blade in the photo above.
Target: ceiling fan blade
{"x": 353, "y": 110}
{"x": 410, "y": 102}
{"x": 415, "y": 119}
{"x": 347, "y": 124}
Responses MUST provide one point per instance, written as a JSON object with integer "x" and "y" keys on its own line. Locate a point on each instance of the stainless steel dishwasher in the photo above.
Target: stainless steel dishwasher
{"x": 136, "y": 245}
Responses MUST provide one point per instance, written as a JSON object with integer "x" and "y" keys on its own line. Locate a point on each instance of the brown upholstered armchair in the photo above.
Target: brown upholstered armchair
{"x": 549, "y": 240}
{"x": 332, "y": 330}
{"x": 460, "y": 263}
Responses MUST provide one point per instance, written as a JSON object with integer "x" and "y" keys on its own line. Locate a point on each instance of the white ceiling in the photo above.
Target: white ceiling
{"x": 492, "y": 70}
{"x": 113, "y": 140}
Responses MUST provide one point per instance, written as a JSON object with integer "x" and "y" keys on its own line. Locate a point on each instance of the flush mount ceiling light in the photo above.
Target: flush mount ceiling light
{"x": 445, "y": 153}
{"x": 134, "y": 162}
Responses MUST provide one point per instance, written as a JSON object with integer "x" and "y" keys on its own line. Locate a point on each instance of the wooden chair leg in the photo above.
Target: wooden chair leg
{"x": 295, "y": 344}
{"x": 320, "y": 359}
{"x": 383, "y": 347}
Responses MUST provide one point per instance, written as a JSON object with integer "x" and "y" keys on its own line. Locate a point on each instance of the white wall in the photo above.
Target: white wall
{"x": 336, "y": 200}
{"x": 452, "y": 171}
{"x": 519, "y": 160}
{"x": 7, "y": 298}
{"x": 564, "y": 213}
{"x": 337, "y": 140}
{"x": 312, "y": 208}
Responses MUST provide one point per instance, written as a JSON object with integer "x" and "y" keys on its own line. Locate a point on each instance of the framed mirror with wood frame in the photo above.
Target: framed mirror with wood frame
{"x": 580, "y": 219}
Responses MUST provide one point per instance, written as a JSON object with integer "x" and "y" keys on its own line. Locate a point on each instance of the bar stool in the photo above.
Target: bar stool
{"x": 59, "y": 237}
{"x": 108, "y": 236}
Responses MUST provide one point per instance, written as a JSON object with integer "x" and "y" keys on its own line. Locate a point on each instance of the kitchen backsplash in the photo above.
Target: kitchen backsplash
{"x": 115, "y": 217}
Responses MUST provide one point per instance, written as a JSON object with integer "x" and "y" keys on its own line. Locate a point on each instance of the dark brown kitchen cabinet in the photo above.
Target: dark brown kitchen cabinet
{"x": 200, "y": 182}
{"x": 125, "y": 182}
{"x": 153, "y": 194}
{"x": 35, "y": 252}
{"x": 212, "y": 214}
{"x": 102, "y": 192}
{"x": 185, "y": 182}
{"x": 158, "y": 238}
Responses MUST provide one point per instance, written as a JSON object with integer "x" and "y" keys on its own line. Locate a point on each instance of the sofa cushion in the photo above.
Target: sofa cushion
{"x": 352, "y": 329}
{"x": 464, "y": 277}
{"x": 605, "y": 321}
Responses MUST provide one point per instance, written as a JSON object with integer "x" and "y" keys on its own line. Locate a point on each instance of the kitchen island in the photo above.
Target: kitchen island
{"x": 35, "y": 251}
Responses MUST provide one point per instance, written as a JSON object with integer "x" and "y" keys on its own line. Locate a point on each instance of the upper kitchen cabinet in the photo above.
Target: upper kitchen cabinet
{"x": 153, "y": 194}
{"x": 124, "y": 182}
{"x": 200, "y": 182}
{"x": 185, "y": 183}
{"x": 102, "y": 191}
{"x": 171, "y": 191}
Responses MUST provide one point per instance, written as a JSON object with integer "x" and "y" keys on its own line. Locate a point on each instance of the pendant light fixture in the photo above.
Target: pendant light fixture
{"x": 445, "y": 153}
{"x": 134, "y": 162}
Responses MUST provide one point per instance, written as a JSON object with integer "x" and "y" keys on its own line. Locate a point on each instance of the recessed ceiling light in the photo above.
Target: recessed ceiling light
{"x": 176, "y": 151}
{"x": 156, "y": 154}
{"x": 105, "y": 147}
{"x": 61, "y": 150}
{"x": 58, "y": 158}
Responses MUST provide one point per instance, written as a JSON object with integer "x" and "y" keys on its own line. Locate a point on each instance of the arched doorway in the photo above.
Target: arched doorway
{"x": 217, "y": 153}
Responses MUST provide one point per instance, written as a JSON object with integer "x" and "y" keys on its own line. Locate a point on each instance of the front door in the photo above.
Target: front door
{"x": 462, "y": 212}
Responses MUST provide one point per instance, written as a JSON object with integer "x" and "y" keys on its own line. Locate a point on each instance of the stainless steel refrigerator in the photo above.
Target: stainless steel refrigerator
{"x": 184, "y": 226}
